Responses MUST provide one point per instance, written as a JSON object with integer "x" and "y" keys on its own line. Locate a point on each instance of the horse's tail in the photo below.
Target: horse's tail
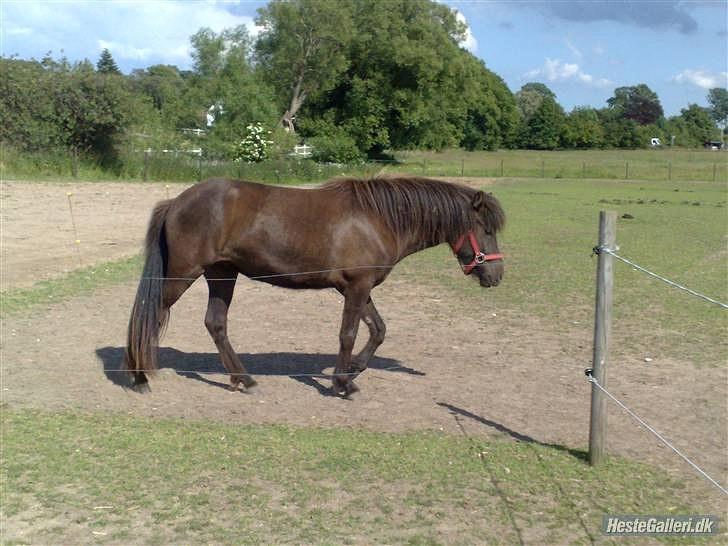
{"x": 148, "y": 317}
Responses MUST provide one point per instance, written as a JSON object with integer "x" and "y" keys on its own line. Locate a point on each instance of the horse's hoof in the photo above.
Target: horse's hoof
{"x": 249, "y": 382}
{"x": 351, "y": 390}
{"x": 141, "y": 385}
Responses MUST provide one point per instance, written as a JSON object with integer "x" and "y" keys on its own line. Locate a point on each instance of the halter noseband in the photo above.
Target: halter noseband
{"x": 480, "y": 257}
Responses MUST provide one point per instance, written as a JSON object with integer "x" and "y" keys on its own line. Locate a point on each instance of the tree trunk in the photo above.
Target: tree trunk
{"x": 297, "y": 98}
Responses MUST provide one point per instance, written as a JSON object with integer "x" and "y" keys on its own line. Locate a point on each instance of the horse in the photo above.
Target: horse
{"x": 346, "y": 234}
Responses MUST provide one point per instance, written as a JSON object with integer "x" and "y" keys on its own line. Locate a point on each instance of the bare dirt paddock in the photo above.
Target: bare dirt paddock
{"x": 479, "y": 371}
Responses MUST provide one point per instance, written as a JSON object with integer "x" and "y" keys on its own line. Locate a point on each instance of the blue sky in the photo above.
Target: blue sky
{"x": 581, "y": 49}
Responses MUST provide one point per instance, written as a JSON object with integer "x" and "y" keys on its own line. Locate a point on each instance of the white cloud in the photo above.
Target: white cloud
{"x": 125, "y": 51}
{"x": 555, "y": 70}
{"x": 575, "y": 51}
{"x": 469, "y": 43}
{"x": 152, "y": 31}
{"x": 702, "y": 78}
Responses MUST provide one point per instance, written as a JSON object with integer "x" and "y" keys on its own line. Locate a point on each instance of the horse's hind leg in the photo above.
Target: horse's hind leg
{"x": 377, "y": 331}
{"x": 221, "y": 283}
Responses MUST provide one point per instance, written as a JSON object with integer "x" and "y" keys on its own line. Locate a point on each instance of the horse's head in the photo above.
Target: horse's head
{"x": 477, "y": 250}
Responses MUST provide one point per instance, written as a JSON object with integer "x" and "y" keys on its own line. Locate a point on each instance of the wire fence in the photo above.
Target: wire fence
{"x": 598, "y": 250}
{"x": 186, "y": 167}
{"x": 593, "y": 380}
{"x": 659, "y": 436}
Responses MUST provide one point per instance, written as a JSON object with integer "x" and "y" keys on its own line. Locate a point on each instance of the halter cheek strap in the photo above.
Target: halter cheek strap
{"x": 479, "y": 257}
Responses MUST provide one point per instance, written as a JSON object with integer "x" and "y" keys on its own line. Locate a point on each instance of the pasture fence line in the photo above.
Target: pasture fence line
{"x": 606, "y": 250}
{"x": 593, "y": 381}
{"x": 599, "y": 249}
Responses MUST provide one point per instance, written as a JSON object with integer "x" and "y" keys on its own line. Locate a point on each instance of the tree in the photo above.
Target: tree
{"x": 530, "y": 96}
{"x": 638, "y": 103}
{"x": 409, "y": 84}
{"x": 583, "y": 129}
{"x": 106, "y": 63}
{"x": 492, "y": 116}
{"x": 718, "y": 100}
{"x": 90, "y": 112}
{"x": 224, "y": 78}
{"x": 302, "y": 49}
{"x": 545, "y": 129}
{"x": 26, "y": 106}
{"x": 693, "y": 127}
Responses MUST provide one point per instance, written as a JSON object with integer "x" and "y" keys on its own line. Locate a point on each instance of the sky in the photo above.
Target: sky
{"x": 581, "y": 49}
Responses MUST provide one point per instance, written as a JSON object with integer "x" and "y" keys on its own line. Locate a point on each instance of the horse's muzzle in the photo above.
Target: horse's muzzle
{"x": 490, "y": 274}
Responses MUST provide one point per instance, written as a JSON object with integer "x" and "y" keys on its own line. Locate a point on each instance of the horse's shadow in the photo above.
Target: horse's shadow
{"x": 307, "y": 368}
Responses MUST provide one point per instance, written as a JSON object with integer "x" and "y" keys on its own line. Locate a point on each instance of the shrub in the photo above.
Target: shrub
{"x": 335, "y": 147}
{"x": 253, "y": 148}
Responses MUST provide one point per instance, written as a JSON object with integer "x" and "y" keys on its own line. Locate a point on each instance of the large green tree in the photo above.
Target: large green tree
{"x": 636, "y": 102}
{"x": 530, "y": 96}
{"x": 545, "y": 128}
{"x": 693, "y": 127}
{"x": 302, "y": 49}
{"x": 583, "y": 129}
{"x": 26, "y": 107}
{"x": 90, "y": 112}
{"x": 55, "y": 105}
{"x": 409, "y": 84}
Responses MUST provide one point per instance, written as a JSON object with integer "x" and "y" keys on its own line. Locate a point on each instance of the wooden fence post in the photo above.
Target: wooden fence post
{"x": 462, "y": 167}
{"x": 602, "y": 330}
{"x": 145, "y": 174}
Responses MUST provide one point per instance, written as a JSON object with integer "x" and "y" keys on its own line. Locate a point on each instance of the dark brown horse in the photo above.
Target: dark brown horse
{"x": 346, "y": 234}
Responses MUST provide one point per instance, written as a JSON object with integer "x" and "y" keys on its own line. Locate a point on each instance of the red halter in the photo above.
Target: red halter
{"x": 480, "y": 256}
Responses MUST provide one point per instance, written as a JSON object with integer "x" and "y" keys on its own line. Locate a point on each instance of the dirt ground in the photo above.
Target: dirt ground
{"x": 490, "y": 371}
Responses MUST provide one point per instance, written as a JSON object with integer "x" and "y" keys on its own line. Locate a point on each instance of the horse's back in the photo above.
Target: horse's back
{"x": 239, "y": 222}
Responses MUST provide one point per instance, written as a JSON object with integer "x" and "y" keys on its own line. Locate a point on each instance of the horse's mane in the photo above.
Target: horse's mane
{"x": 434, "y": 210}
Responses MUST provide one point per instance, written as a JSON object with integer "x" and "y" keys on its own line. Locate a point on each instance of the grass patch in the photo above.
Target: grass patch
{"x": 664, "y": 164}
{"x": 552, "y": 227}
{"x": 74, "y": 477}
{"x": 670, "y": 164}
{"x": 79, "y": 281}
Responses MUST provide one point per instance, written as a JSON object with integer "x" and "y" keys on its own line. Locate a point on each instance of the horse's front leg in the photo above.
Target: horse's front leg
{"x": 377, "y": 331}
{"x": 355, "y": 300}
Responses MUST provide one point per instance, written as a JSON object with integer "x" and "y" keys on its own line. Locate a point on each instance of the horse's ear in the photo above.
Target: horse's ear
{"x": 478, "y": 200}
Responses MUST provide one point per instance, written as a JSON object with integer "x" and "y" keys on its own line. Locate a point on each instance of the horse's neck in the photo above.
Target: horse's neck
{"x": 411, "y": 243}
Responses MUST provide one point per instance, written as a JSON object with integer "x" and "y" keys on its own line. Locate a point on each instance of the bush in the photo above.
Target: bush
{"x": 336, "y": 147}
{"x": 253, "y": 148}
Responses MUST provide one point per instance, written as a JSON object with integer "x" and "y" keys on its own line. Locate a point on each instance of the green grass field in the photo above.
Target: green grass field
{"x": 666, "y": 164}
{"x": 658, "y": 164}
{"x": 78, "y": 478}
{"x": 677, "y": 230}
